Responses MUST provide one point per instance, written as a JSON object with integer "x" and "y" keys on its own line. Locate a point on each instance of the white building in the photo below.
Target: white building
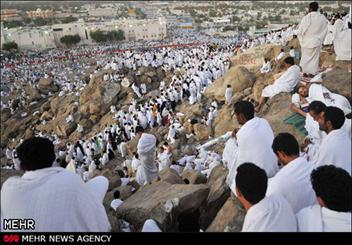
{"x": 49, "y": 36}
{"x": 30, "y": 38}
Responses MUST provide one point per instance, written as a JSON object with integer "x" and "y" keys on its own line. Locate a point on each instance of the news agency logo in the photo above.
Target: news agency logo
{"x": 11, "y": 238}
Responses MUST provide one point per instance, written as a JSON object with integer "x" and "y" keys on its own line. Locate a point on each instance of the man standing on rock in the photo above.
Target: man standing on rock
{"x": 228, "y": 94}
{"x": 146, "y": 151}
{"x": 311, "y": 34}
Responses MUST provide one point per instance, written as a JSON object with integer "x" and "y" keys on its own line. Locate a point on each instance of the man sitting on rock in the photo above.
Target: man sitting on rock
{"x": 264, "y": 214}
{"x": 286, "y": 83}
{"x": 55, "y": 198}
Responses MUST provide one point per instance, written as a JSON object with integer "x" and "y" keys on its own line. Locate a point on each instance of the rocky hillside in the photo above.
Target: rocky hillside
{"x": 204, "y": 203}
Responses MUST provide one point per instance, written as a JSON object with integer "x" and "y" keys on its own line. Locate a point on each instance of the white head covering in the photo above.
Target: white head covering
{"x": 150, "y": 226}
{"x": 146, "y": 143}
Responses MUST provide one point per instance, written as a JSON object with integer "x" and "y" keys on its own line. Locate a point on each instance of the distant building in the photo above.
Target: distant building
{"x": 10, "y": 15}
{"x": 102, "y": 12}
{"x": 49, "y": 36}
{"x": 30, "y": 38}
{"x": 48, "y": 13}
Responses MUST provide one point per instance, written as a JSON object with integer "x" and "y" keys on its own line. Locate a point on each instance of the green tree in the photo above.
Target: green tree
{"x": 70, "y": 40}
{"x": 235, "y": 18}
{"x": 212, "y": 13}
{"x": 69, "y": 19}
{"x": 40, "y": 22}
{"x": 228, "y": 28}
{"x": 12, "y": 24}
{"x": 102, "y": 36}
{"x": 27, "y": 20}
{"x": 10, "y": 46}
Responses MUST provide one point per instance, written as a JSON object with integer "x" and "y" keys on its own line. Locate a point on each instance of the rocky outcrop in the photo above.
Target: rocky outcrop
{"x": 202, "y": 131}
{"x": 229, "y": 218}
{"x": 252, "y": 59}
{"x": 275, "y": 111}
{"x": 170, "y": 176}
{"x": 46, "y": 85}
{"x": 339, "y": 81}
{"x": 225, "y": 121}
{"x": 218, "y": 194}
{"x": 238, "y": 77}
{"x": 164, "y": 203}
{"x": 194, "y": 177}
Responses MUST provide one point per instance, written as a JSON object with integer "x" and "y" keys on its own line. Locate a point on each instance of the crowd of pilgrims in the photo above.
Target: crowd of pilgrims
{"x": 252, "y": 142}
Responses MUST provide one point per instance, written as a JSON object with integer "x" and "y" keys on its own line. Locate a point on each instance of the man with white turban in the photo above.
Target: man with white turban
{"x": 146, "y": 151}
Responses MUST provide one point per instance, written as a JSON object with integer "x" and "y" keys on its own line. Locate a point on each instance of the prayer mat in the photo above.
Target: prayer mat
{"x": 298, "y": 122}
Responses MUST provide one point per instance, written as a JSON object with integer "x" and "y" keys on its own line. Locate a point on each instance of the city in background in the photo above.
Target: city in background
{"x": 55, "y": 24}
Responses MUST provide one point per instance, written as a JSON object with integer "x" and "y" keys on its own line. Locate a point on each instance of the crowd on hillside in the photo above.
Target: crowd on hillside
{"x": 310, "y": 190}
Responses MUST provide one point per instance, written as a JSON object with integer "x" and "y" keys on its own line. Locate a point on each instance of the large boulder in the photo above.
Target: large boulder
{"x": 171, "y": 176}
{"x": 252, "y": 59}
{"x": 238, "y": 77}
{"x": 202, "y": 132}
{"x": 218, "y": 194}
{"x": 46, "y": 85}
{"x": 229, "y": 218}
{"x": 162, "y": 202}
{"x": 194, "y": 177}
{"x": 98, "y": 96}
{"x": 131, "y": 146}
{"x": 275, "y": 111}
{"x": 339, "y": 81}
{"x": 190, "y": 111}
{"x": 64, "y": 129}
{"x": 294, "y": 42}
{"x": 272, "y": 52}
{"x": 225, "y": 121}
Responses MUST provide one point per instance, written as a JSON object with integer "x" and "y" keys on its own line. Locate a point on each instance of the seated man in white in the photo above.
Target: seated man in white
{"x": 117, "y": 201}
{"x": 293, "y": 179}
{"x": 286, "y": 83}
{"x": 266, "y": 66}
{"x": 264, "y": 214}
{"x": 335, "y": 148}
{"x": 253, "y": 142}
{"x": 333, "y": 190}
{"x": 315, "y": 135}
{"x": 55, "y": 198}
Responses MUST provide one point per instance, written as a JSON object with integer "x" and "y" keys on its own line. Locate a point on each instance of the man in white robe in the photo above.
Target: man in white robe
{"x": 146, "y": 151}
{"x": 311, "y": 34}
{"x": 332, "y": 187}
{"x": 71, "y": 211}
{"x": 253, "y": 143}
{"x": 171, "y": 134}
{"x": 280, "y": 55}
{"x": 264, "y": 214}
{"x": 285, "y": 83}
{"x": 335, "y": 147}
{"x": 342, "y": 41}
{"x": 293, "y": 180}
{"x": 228, "y": 94}
{"x": 136, "y": 90}
{"x": 266, "y": 66}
